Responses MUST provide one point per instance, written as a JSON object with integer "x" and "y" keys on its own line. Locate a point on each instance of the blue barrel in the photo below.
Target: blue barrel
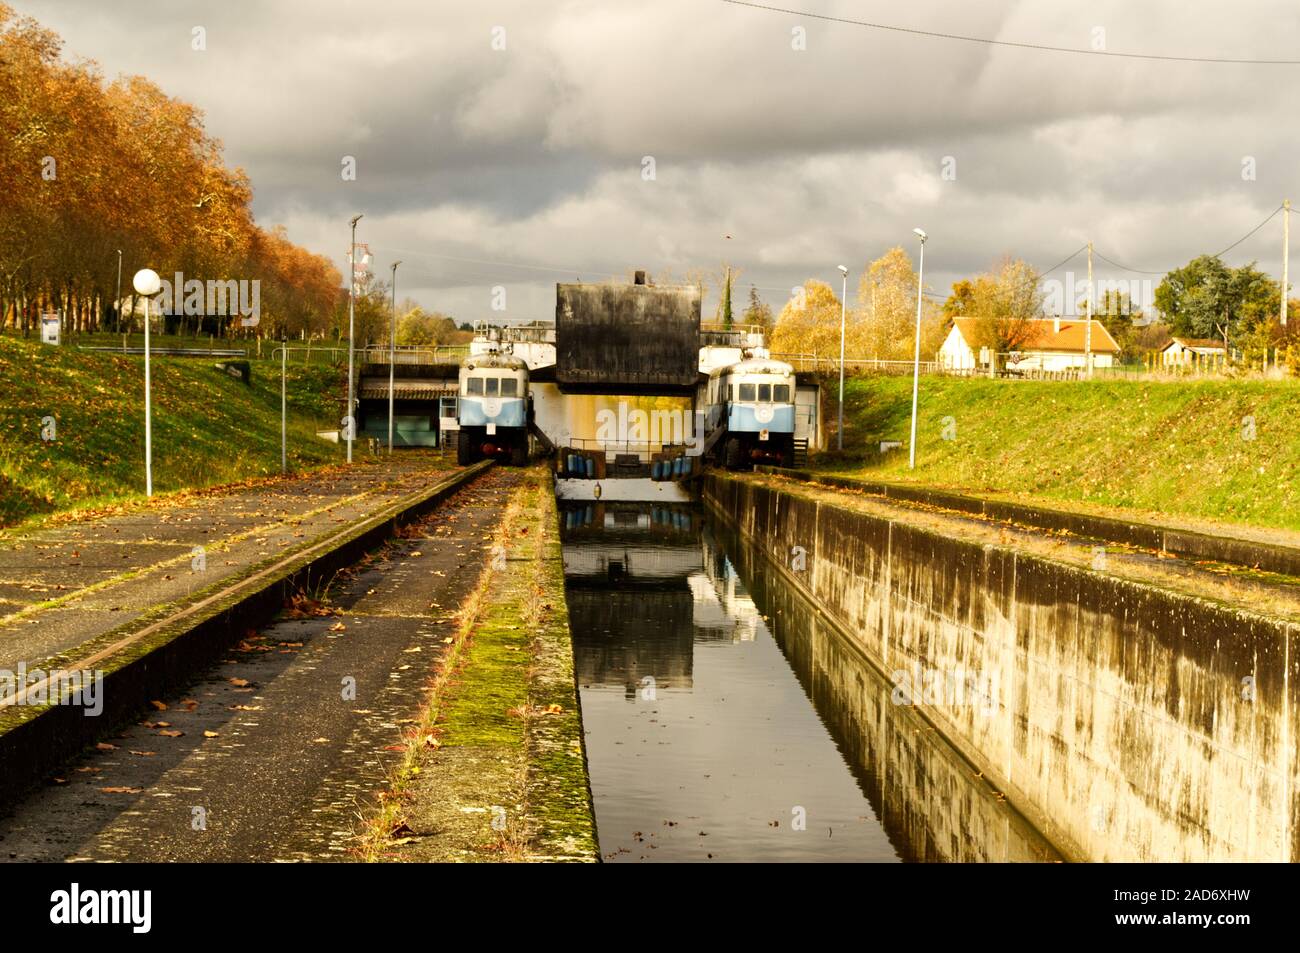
{"x": 677, "y": 466}
{"x": 570, "y": 463}
{"x": 656, "y": 470}
{"x": 591, "y": 468}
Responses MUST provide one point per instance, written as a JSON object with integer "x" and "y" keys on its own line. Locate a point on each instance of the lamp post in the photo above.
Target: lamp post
{"x": 117, "y": 304}
{"x": 844, "y": 298}
{"x": 350, "y": 418}
{"x": 916, "y": 359}
{"x": 147, "y": 284}
{"x": 284, "y": 406}
{"x": 392, "y": 357}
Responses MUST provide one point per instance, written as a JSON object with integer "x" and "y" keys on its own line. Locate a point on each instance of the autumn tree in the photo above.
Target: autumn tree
{"x": 91, "y": 167}
{"x": 758, "y": 313}
{"x": 809, "y": 323}
{"x": 884, "y": 324}
{"x": 1005, "y": 304}
{"x": 960, "y": 303}
{"x": 420, "y": 327}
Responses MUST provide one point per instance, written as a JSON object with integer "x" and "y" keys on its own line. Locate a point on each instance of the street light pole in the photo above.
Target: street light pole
{"x": 392, "y": 357}
{"x": 916, "y": 357}
{"x": 284, "y": 412}
{"x": 147, "y": 284}
{"x": 117, "y": 304}
{"x": 352, "y": 288}
{"x": 844, "y": 298}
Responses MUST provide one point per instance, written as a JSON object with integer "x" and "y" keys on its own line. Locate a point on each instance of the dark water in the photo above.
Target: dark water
{"x": 724, "y": 722}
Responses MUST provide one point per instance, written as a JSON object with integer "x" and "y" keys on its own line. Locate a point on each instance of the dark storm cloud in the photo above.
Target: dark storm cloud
{"x": 531, "y": 155}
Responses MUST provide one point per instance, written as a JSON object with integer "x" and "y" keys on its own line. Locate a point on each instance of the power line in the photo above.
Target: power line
{"x": 1142, "y": 271}
{"x": 1249, "y": 233}
{"x": 1042, "y": 47}
{"x": 1039, "y": 276}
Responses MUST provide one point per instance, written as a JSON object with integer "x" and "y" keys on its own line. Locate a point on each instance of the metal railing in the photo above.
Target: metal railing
{"x": 165, "y": 351}
{"x": 643, "y": 449}
{"x": 820, "y": 363}
{"x": 327, "y": 354}
{"x": 411, "y": 354}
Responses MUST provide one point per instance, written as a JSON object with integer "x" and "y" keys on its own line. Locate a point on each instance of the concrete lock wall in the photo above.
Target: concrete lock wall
{"x": 1125, "y": 721}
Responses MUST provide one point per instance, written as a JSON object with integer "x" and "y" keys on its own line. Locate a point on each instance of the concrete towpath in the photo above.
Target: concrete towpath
{"x": 66, "y": 583}
{"x": 276, "y": 752}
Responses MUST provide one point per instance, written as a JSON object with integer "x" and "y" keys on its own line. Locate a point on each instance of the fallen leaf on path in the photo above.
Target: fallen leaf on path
{"x": 171, "y": 734}
{"x": 105, "y": 746}
{"x": 211, "y": 734}
{"x": 240, "y": 682}
{"x": 161, "y": 706}
{"x": 121, "y": 790}
{"x": 146, "y": 754}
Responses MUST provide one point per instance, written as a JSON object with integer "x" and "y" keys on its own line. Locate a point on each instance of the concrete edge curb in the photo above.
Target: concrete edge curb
{"x": 1284, "y": 560}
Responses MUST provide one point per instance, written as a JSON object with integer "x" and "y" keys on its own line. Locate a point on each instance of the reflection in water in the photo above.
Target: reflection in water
{"x": 725, "y": 722}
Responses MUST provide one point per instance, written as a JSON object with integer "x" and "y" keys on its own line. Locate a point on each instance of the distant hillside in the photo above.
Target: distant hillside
{"x": 1176, "y": 447}
{"x": 208, "y": 427}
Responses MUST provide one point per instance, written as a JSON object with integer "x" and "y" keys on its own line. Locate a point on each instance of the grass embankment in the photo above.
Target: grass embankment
{"x": 495, "y": 769}
{"x": 1220, "y": 450}
{"x": 208, "y": 427}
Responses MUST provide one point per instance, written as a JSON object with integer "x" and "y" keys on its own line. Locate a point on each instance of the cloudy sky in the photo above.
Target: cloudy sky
{"x": 521, "y": 166}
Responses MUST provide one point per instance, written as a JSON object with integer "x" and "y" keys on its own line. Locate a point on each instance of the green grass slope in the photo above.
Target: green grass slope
{"x": 208, "y": 427}
{"x": 1179, "y": 448}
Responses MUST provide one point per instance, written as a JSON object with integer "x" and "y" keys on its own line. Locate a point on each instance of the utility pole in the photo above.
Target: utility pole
{"x": 392, "y": 357}
{"x": 1286, "y": 254}
{"x": 350, "y": 419}
{"x": 1087, "y": 334}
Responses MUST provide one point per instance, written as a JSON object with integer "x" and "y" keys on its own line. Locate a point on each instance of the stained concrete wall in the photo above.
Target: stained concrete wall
{"x": 621, "y": 339}
{"x": 1119, "y": 724}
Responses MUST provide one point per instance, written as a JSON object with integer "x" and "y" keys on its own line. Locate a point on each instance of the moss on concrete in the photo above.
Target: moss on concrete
{"x": 501, "y": 773}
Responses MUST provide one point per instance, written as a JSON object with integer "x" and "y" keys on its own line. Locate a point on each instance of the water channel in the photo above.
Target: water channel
{"x": 725, "y": 721}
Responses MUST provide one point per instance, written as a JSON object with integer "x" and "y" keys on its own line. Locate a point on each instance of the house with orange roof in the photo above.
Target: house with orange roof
{"x": 1053, "y": 344}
